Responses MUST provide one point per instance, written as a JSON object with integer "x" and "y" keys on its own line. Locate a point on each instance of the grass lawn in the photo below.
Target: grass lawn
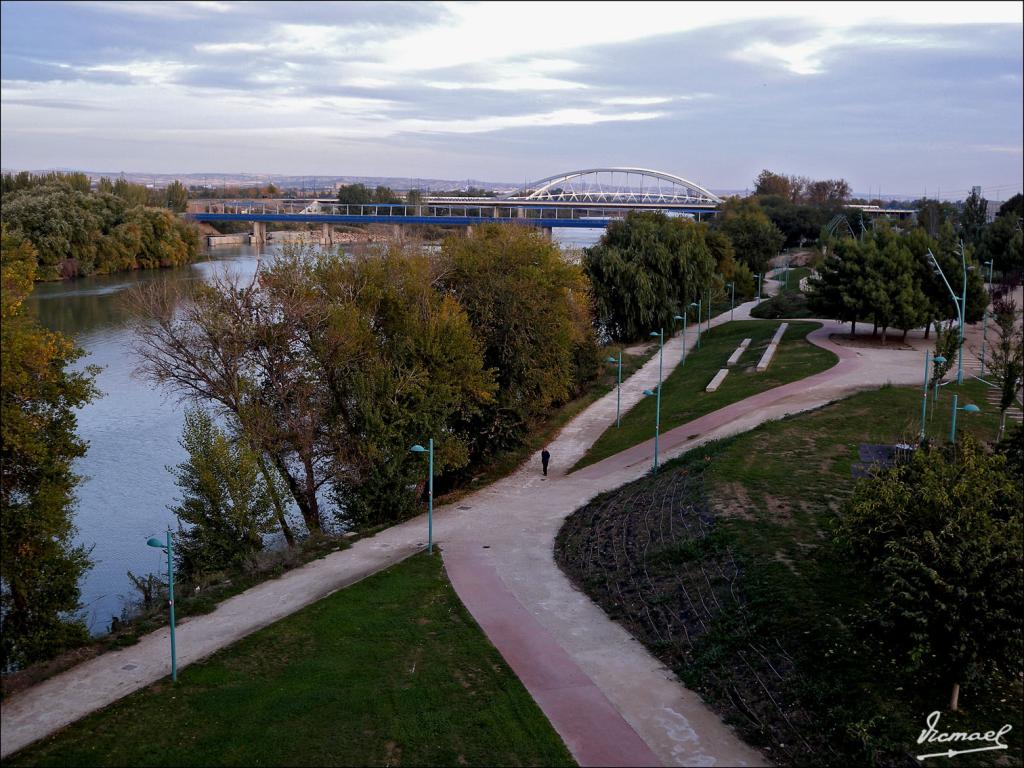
{"x": 758, "y": 611}
{"x": 389, "y": 671}
{"x": 683, "y": 397}
{"x": 796, "y": 274}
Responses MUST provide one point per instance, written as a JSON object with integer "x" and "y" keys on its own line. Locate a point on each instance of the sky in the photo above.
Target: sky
{"x": 905, "y": 98}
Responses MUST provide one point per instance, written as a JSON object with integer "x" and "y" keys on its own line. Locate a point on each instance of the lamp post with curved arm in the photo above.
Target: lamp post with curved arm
{"x": 429, "y": 450}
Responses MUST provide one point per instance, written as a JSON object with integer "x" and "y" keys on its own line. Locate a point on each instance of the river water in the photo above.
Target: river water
{"x": 133, "y": 429}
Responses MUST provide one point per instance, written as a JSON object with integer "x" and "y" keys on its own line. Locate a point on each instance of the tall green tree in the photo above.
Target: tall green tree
{"x": 226, "y": 507}
{"x": 40, "y": 564}
{"x": 176, "y": 196}
{"x": 531, "y": 311}
{"x": 1007, "y": 361}
{"x": 754, "y": 238}
{"x": 942, "y": 535}
{"x": 646, "y": 269}
{"x": 973, "y": 218}
{"x": 841, "y": 287}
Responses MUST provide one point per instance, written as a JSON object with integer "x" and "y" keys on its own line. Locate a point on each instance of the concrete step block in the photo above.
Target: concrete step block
{"x": 716, "y": 382}
{"x": 735, "y": 357}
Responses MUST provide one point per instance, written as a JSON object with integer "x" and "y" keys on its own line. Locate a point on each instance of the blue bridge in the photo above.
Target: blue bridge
{"x": 588, "y": 198}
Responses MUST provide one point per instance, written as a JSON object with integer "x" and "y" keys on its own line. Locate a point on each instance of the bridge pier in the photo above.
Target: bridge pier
{"x": 327, "y": 238}
{"x": 469, "y": 230}
{"x": 547, "y": 232}
{"x": 396, "y": 232}
{"x": 259, "y": 233}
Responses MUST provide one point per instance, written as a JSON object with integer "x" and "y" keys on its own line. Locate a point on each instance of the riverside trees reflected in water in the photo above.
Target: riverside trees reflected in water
{"x": 133, "y": 429}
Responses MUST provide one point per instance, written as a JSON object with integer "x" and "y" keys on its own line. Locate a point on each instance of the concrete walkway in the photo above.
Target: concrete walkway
{"x": 610, "y": 700}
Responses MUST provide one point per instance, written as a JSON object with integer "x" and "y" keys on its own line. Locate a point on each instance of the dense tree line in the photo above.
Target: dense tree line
{"x": 360, "y": 194}
{"x": 77, "y": 232}
{"x": 886, "y": 277}
{"x": 326, "y": 368}
{"x": 40, "y": 565}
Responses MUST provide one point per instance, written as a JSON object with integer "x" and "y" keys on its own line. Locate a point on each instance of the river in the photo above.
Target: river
{"x": 133, "y": 429}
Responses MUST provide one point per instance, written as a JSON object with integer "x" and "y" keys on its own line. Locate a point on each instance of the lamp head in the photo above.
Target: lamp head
{"x": 970, "y": 408}
{"x": 418, "y": 449}
{"x": 611, "y": 360}
{"x": 649, "y": 392}
{"x": 677, "y": 317}
{"x": 694, "y": 304}
{"x": 155, "y": 542}
{"x": 654, "y": 333}
{"x": 940, "y": 359}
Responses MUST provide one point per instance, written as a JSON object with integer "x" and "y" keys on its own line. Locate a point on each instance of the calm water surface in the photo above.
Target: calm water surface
{"x": 133, "y": 429}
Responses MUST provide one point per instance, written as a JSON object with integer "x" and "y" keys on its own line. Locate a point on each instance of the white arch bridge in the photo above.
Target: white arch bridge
{"x": 587, "y": 198}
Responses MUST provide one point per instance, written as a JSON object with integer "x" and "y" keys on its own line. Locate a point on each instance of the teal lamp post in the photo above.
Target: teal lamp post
{"x": 928, "y": 360}
{"x": 168, "y": 547}
{"x": 965, "y": 409}
{"x": 732, "y": 301}
{"x": 699, "y": 306}
{"x": 984, "y": 321}
{"x": 759, "y": 276}
{"x": 657, "y": 393}
{"x": 429, "y": 450}
{"x": 961, "y": 306}
{"x": 618, "y": 388}
{"x": 682, "y": 357}
{"x": 709, "y": 310}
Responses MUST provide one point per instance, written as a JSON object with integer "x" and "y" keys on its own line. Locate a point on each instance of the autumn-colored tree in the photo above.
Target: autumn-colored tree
{"x": 40, "y": 564}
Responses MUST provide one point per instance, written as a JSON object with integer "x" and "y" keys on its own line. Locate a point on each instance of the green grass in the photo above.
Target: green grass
{"x": 796, "y": 274}
{"x": 389, "y": 671}
{"x": 683, "y": 397}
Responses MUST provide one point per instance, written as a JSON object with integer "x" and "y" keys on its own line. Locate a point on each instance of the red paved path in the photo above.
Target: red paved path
{"x": 591, "y": 727}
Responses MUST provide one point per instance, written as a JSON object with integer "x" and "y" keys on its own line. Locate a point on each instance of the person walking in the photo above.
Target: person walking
{"x": 545, "y": 457}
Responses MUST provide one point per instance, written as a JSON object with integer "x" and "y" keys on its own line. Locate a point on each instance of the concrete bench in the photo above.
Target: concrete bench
{"x": 769, "y": 352}
{"x": 735, "y": 357}
{"x": 717, "y": 381}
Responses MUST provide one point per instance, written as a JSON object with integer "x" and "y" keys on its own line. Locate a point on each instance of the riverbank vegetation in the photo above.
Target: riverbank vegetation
{"x": 118, "y": 227}
{"x": 40, "y": 563}
{"x": 392, "y": 670}
{"x": 825, "y": 649}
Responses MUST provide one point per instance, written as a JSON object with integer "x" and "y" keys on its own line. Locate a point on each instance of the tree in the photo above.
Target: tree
{"x": 331, "y": 366}
{"x": 947, "y": 346}
{"x": 1014, "y": 207}
{"x": 942, "y": 537}
{"x": 226, "y": 506}
{"x": 1003, "y": 242}
{"x": 1007, "y": 365}
{"x": 840, "y": 289}
{"x": 355, "y": 194}
{"x": 531, "y": 312}
{"x": 176, "y": 196}
{"x": 769, "y": 183}
{"x": 40, "y": 565}
{"x": 646, "y": 269}
{"x": 973, "y": 218}
{"x": 755, "y": 239}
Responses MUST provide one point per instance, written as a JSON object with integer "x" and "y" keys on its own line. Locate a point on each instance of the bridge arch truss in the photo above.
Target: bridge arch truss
{"x": 618, "y": 185}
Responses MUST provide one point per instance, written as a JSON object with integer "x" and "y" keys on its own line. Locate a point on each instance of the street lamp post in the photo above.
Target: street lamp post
{"x": 966, "y": 409}
{"x": 961, "y": 307}
{"x": 699, "y": 305}
{"x": 759, "y": 276}
{"x": 732, "y": 303}
{"x": 984, "y": 321}
{"x": 618, "y": 387}
{"x": 168, "y": 547}
{"x": 657, "y": 393}
{"x": 709, "y": 309}
{"x": 682, "y": 357}
{"x": 928, "y": 360}
{"x": 429, "y": 450}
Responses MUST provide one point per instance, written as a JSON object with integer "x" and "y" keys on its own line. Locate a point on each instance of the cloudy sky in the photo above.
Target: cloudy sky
{"x": 902, "y": 97}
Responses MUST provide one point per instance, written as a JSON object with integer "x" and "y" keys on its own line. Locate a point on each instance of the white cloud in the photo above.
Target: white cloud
{"x": 525, "y": 83}
{"x": 174, "y": 11}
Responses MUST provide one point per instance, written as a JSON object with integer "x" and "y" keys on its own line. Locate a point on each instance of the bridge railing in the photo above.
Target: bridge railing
{"x": 498, "y": 210}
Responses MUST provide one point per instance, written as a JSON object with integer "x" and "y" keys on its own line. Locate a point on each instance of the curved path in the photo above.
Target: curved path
{"x": 610, "y": 700}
